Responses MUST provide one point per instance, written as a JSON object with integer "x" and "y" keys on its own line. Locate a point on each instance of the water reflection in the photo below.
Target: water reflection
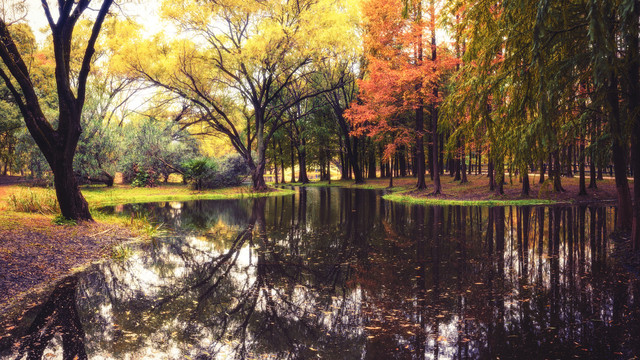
{"x": 342, "y": 274}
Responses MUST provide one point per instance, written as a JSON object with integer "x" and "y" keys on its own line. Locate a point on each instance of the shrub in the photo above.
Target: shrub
{"x": 205, "y": 173}
{"x": 201, "y": 173}
{"x": 144, "y": 178}
{"x": 233, "y": 170}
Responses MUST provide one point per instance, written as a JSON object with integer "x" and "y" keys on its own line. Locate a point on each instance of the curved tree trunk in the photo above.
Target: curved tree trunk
{"x": 72, "y": 203}
{"x": 58, "y": 145}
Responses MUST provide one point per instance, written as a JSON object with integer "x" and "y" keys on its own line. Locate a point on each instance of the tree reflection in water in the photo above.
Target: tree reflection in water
{"x": 342, "y": 274}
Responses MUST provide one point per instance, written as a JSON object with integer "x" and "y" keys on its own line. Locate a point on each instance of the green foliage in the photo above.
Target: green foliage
{"x": 100, "y": 144}
{"x": 200, "y": 172}
{"x": 154, "y": 150}
{"x": 34, "y": 201}
{"x": 205, "y": 173}
{"x": 144, "y": 177}
{"x": 61, "y": 220}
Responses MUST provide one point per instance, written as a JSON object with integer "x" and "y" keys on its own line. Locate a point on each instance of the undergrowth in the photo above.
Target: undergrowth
{"x": 40, "y": 201}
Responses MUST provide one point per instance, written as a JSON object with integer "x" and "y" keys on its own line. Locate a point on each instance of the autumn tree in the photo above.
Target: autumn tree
{"x": 400, "y": 80}
{"x": 236, "y": 58}
{"x": 58, "y": 144}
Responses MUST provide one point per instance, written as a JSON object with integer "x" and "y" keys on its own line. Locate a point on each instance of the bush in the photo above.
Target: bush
{"x": 200, "y": 173}
{"x": 144, "y": 178}
{"x": 233, "y": 170}
{"x": 205, "y": 173}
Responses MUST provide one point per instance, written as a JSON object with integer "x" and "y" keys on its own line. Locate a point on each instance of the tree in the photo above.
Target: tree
{"x": 400, "y": 81}
{"x": 243, "y": 56}
{"x": 57, "y": 144}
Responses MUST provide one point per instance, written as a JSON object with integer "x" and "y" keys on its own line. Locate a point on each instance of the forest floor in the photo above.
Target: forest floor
{"x": 35, "y": 252}
{"x": 476, "y": 191}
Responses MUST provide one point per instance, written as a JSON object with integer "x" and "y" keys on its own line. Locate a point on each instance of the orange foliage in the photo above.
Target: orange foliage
{"x": 399, "y": 79}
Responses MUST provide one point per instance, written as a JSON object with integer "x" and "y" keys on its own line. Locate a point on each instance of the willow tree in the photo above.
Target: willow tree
{"x": 57, "y": 143}
{"x": 234, "y": 59}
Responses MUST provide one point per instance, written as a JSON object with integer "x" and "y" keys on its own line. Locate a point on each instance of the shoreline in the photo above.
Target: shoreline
{"x": 476, "y": 192}
{"x": 35, "y": 252}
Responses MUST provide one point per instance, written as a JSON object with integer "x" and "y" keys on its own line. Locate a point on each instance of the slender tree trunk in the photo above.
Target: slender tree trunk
{"x": 391, "y": 173}
{"x": 492, "y": 182}
{"x": 420, "y": 171}
{"x": 541, "y": 171}
{"x": 526, "y": 188}
{"x": 275, "y": 163}
{"x": 463, "y": 165}
{"x": 357, "y": 172}
{"x": 293, "y": 163}
{"x": 437, "y": 187}
{"x": 619, "y": 155}
{"x": 499, "y": 176}
{"x": 569, "y": 161}
{"x": 372, "y": 161}
{"x": 633, "y": 77}
{"x": 583, "y": 185}
{"x": 592, "y": 173}
{"x": 302, "y": 162}
{"x": 557, "y": 184}
{"x": 281, "y": 162}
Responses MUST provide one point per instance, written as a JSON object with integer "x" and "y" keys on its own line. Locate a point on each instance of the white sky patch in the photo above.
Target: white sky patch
{"x": 144, "y": 12}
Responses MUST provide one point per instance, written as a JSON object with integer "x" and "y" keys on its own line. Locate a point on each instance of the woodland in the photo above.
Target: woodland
{"x": 221, "y": 91}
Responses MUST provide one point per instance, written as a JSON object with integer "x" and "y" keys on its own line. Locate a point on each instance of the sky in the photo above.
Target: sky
{"x": 144, "y": 12}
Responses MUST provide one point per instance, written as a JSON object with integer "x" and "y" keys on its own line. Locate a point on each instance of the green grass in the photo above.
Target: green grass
{"x": 408, "y": 199}
{"x": 344, "y": 183}
{"x": 33, "y": 200}
{"x": 103, "y": 196}
{"x": 398, "y": 194}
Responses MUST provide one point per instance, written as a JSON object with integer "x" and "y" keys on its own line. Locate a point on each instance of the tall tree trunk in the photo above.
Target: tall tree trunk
{"x": 420, "y": 171}
{"x": 261, "y": 145}
{"x": 557, "y": 184}
{"x": 293, "y": 163}
{"x": 633, "y": 76}
{"x": 583, "y": 185}
{"x": 302, "y": 162}
{"x": 437, "y": 187}
{"x": 619, "y": 154}
{"x": 499, "y": 176}
{"x": 492, "y": 182}
{"x": 569, "y": 172}
{"x": 281, "y": 161}
{"x": 355, "y": 165}
{"x": 526, "y": 188}
{"x": 275, "y": 163}
{"x": 463, "y": 165}
{"x": 542, "y": 168}
{"x": 72, "y": 203}
{"x": 372, "y": 161}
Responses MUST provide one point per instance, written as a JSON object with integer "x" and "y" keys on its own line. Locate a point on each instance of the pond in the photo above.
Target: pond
{"x": 339, "y": 273}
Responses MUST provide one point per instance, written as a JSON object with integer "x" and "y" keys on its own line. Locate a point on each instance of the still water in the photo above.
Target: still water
{"x": 338, "y": 273}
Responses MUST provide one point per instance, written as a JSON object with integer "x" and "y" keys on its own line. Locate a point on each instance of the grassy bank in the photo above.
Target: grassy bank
{"x": 99, "y": 196}
{"x": 476, "y": 191}
{"x": 30, "y": 199}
